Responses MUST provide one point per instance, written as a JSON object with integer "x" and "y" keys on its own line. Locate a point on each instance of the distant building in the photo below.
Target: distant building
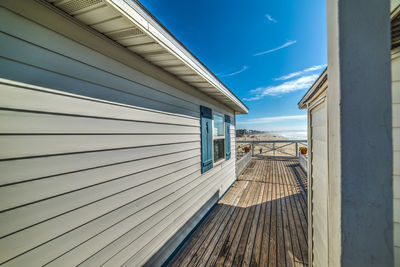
{"x": 240, "y": 132}
{"x": 254, "y": 132}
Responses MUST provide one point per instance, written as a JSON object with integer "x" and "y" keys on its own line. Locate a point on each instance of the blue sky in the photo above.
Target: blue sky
{"x": 267, "y": 52}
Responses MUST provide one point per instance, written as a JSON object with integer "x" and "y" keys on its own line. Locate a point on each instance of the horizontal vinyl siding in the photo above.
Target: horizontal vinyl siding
{"x": 319, "y": 182}
{"x": 142, "y": 186}
{"x": 103, "y": 167}
{"x": 396, "y": 153}
{"x": 29, "y": 50}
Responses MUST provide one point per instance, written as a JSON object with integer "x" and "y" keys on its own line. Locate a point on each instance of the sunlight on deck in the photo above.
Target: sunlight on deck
{"x": 261, "y": 220}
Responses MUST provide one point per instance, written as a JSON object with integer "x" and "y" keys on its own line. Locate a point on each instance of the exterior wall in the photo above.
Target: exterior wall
{"x": 103, "y": 167}
{"x": 303, "y": 162}
{"x": 360, "y": 137}
{"x": 319, "y": 184}
{"x": 394, "y": 4}
{"x": 396, "y": 151}
{"x": 242, "y": 163}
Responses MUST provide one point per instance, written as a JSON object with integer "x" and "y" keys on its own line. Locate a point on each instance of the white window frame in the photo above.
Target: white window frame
{"x": 217, "y": 138}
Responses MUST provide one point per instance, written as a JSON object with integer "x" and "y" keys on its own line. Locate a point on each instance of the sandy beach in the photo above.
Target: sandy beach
{"x": 265, "y": 149}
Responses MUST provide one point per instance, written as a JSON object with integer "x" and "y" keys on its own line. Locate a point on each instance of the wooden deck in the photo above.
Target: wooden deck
{"x": 261, "y": 221}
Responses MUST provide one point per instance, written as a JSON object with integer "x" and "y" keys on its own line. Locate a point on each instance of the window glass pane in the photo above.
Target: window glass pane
{"x": 219, "y": 149}
{"x": 218, "y": 125}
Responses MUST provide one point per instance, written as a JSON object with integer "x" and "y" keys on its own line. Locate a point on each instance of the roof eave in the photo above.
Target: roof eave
{"x": 314, "y": 88}
{"x": 135, "y": 12}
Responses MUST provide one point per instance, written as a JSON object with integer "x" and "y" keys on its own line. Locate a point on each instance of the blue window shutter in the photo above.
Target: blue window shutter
{"x": 206, "y": 138}
{"x": 227, "y": 137}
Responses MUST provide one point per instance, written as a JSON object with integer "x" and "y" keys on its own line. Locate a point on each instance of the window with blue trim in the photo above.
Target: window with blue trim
{"x": 215, "y": 138}
{"x": 227, "y": 137}
{"x": 206, "y": 138}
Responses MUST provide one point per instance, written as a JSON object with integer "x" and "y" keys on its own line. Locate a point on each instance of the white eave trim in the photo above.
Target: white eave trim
{"x": 147, "y": 24}
{"x": 314, "y": 88}
{"x": 394, "y": 8}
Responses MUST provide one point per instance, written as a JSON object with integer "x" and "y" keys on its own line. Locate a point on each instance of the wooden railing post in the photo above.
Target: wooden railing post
{"x": 297, "y": 149}
{"x": 273, "y": 148}
{"x": 252, "y": 148}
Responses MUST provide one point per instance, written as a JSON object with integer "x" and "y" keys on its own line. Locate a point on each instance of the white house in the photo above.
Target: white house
{"x": 320, "y": 210}
{"x": 115, "y": 139}
{"x": 315, "y": 103}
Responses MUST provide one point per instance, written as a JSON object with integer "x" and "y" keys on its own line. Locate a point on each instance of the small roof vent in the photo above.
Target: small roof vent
{"x": 76, "y": 5}
{"x": 125, "y": 33}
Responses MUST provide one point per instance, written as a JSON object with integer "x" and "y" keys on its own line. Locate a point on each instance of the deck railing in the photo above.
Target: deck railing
{"x": 242, "y": 163}
{"x": 303, "y": 159}
{"x": 271, "y": 148}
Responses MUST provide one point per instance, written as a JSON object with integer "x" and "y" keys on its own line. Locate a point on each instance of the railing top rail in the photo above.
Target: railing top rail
{"x": 272, "y": 141}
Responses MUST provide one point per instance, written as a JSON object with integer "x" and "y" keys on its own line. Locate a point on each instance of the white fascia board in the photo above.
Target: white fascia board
{"x": 314, "y": 88}
{"x": 147, "y": 24}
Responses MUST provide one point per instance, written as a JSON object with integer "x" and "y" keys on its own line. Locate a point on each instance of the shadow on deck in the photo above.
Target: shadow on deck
{"x": 261, "y": 221}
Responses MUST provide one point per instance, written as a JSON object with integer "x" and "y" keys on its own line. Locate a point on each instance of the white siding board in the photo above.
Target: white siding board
{"x": 396, "y": 232}
{"x": 16, "y": 97}
{"x": 396, "y": 139}
{"x": 16, "y": 146}
{"x": 319, "y": 184}
{"x": 319, "y": 133}
{"x": 396, "y": 185}
{"x": 322, "y": 242}
{"x": 30, "y": 169}
{"x": 137, "y": 184}
{"x": 396, "y": 92}
{"x": 117, "y": 151}
{"x": 396, "y": 209}
{"x": 35, "y": 123}
{"x": 396, "y": 69}
{"x": 318, "y": 116}
{"x": 397, "y": 256}
{"x": 396, "y": 165}
{"x": 396, "y": 114}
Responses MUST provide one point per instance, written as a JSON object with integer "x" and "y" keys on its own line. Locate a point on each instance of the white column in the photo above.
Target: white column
{"x": 360, "y": 211}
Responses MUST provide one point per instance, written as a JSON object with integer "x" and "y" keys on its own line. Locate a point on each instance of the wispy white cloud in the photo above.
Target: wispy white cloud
{"x": 235, "y": 72}
{"x": 288, "y": 43}
{"x": 297, "y": 73}
{"x": 303, "y": 82}
{"x": 268, "y": 16}
{"x": 265, "y": 120}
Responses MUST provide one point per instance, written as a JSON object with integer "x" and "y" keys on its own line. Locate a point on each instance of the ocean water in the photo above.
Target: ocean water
{"x": 294, "y": 135}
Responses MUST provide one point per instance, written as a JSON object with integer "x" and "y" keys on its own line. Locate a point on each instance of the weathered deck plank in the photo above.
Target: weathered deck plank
{"x": 261, "y": 221}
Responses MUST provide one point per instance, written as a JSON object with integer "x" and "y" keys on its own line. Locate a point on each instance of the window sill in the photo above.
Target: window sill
{"x": 218, "y": 162}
